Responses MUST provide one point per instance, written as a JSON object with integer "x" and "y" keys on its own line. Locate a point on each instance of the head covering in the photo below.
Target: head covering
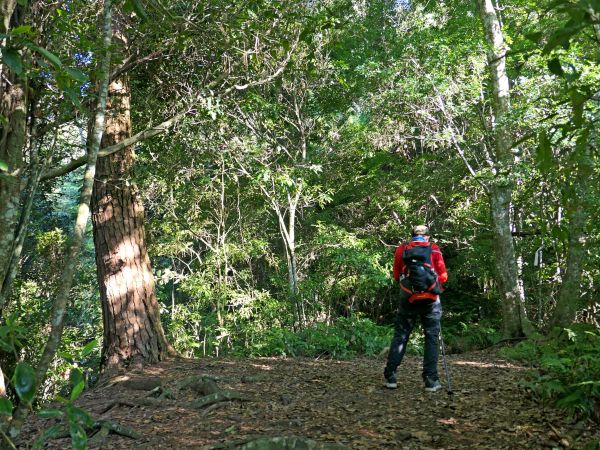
{"x": 420, "y": 230}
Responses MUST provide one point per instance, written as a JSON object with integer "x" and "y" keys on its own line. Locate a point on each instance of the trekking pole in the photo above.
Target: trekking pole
{"x": 449, "y": 389}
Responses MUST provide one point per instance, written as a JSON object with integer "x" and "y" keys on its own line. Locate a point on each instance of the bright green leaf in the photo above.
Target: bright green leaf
{"x": 23, "y": 29}
{"x": 3, "y": 166}
{"x": 77, "y": 390}
{"x": 89, "y": 348}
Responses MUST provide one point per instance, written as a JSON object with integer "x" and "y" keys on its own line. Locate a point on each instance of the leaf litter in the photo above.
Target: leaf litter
{"x": 302, "y": 402}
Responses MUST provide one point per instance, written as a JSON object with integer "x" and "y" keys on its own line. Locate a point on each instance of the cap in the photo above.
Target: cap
{"x": 420, "y": 230}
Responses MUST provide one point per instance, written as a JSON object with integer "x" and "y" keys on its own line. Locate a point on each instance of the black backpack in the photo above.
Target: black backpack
{"x": 420, "y": 274}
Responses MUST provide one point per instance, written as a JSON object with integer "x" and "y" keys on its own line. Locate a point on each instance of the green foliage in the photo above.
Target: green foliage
{"x": 76, "y": 419}
{"x": 462, "y": 337}
{"x": 566, "y": 369}
{"x": 346, "y": 337}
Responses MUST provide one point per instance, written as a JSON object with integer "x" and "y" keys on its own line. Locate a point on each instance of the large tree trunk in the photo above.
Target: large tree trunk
{"x": 132, "y": 327}
{"x": 500, "y": 189}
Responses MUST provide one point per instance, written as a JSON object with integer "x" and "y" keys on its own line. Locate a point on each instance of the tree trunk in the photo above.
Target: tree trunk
{"x": 77, "y": 238}
{"x": 13, "y": 107}
{"x": 132, "y": 327}
{"x": 578, "y": 212}
{"x": 500, "y": 189}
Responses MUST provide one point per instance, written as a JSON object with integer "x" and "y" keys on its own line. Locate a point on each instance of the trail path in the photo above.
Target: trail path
{"x": 341, "y": 402}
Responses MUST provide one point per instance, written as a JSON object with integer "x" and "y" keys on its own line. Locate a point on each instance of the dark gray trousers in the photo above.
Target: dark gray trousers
{"x": 430, "y": 314}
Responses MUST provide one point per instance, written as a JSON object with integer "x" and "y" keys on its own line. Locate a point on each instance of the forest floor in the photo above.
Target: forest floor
{"x": 329, "y": 401}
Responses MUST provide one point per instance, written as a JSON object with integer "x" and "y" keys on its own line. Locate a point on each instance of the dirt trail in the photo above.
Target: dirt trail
{"x": 341, "y": 402}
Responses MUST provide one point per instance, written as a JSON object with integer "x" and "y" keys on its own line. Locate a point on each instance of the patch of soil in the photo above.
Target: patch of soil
{"x": 329, "y": 401}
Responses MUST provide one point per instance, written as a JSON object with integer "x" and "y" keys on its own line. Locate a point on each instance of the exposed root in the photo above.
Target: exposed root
{"x": 275, "y": 443}
{"x": 117, "y": 428}
{"x": 220, "y": 396}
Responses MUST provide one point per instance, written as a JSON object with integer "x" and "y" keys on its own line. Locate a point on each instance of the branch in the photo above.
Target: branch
{"x": 106, "y": 151}
{"x": 164, "y": 126}
{"x": 130, "y": 63}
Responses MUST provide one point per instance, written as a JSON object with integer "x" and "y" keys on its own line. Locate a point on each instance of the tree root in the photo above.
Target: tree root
{"x": 202, "y": 384}
{"x": 162, "y": 393}
{"x": 100, "y": 429}
{"x": 137, "y": 402}
{"x": 116, "y": 428}
{"x": 219, "y": 396}
{"x": 275, "y": 443}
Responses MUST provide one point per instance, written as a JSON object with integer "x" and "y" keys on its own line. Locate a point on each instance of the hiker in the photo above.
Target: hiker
{"x": 423, "y": 271}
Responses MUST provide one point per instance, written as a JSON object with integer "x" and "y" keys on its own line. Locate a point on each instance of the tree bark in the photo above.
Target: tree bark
{"x": 578, "y": 211}
{"x": 83, "y": 213}
{"x": 515, "y": 323}
{"x": 13, "y": 107}
{"x": 132, "y": 327}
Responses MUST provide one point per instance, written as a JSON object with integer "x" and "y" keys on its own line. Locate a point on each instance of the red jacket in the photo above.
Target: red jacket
{"x": 437, "y": 261}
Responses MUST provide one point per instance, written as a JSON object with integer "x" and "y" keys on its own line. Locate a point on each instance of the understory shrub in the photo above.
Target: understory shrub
{"x": 567, "y": 369}
{"x": 462, "y": 337}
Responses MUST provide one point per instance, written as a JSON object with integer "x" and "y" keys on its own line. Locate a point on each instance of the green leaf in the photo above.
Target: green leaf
{"x": 555, "y": 67}
{"x": 77, "y": 390}
{"x": 22, "y": 2}
{"x": 24, "y": 382}
{"x": 51, "y": 57}
{"x": 79, "y": 416}
{"x": 77, "y": 74}
{"x": 544, "y": 156}
{"x": 6, "y": 407}
{"x": 50, "y": 413}
{"x": 51, "y": 433}
{"x": 78, "y": 436}
{"x": 3, "y": 166}
{"x": 75, "y": 377}
{"x": 89, "y": 348}
{"x": 577, "y": 102}
{"x": 534, "y": 37}
{"x": 13, "y": 60}
{"x": 138, "y": 7}
{"x": 65, "y": 355}
{"x": 23, "y": 29}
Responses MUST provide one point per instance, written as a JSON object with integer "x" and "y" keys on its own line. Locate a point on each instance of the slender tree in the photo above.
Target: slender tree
{"x": 515, "y": 321}
{"x": 83, "y": 214}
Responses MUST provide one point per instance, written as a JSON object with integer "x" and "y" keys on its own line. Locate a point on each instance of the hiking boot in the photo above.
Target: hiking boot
{"x": 432, "y": 385}
{"x": 390, "y": 382}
